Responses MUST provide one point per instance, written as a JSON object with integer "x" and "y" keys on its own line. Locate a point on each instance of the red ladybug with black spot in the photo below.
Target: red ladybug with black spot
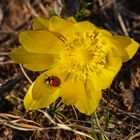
{"x": 53, "y": 81}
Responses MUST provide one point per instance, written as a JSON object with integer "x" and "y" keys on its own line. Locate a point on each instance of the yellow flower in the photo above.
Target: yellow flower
{"x": 78, "y": 60}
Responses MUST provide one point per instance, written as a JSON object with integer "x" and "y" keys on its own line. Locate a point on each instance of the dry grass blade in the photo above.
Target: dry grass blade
{"x": 65, "y": 127}
{"x": 25, "y": 74}
{"x": 5, "y": 115}
{"x": 20, "y": 127}
{"x": 120, "y": 19}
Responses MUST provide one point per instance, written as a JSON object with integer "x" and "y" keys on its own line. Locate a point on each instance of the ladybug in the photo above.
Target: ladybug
{"x": 53, "y": 81}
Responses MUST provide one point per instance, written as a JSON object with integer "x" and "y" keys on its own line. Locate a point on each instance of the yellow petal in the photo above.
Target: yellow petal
{"x": 81, "y": 94}
{"x": 66, "y": 27}
{"x": 71, "y": 19}
{"x": 34, "y": 61}
{"x": 104, "y": 79}
{"x": 54, "y": 23}
{"x": 79, "y": 27}
{"x": 40, "y": 23}
{"x": 40, "y": 94}
{"x": 84, "y": 26}
{"x": 103, "y": 32}
{"x": 127, "y": 47}
{"x": 90, "y": 98}
{"x": 114, "y": 63}
{"x": 71, "y": 90}
{"x": 40, "y": 42}
{"x": 107, "y": 75}
{"x": 40, "y": 81}
{"x": 58, "y": 24}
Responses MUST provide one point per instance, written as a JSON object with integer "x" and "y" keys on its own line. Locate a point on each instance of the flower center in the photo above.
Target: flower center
{"x": 84, "y": 55}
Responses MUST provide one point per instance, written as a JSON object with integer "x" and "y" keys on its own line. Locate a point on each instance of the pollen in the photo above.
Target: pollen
{"x": 84, "y": 55}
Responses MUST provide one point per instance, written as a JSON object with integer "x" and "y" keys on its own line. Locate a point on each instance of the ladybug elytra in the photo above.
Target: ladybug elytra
{"x": 53, "y": 81}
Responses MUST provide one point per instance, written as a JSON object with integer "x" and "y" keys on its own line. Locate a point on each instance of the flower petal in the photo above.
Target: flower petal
{"x": 55, "y": 23}
{"x": 127, "y": 47}
{"x": 103, "y": 32}
{"x": 71, "y": 19}
{"x": 40, "y": 42}
{"x": 80, "y": 94}
{"x": 95, "y": 84}
{"x": 109, "y": 72}
{"x": 40, "y": 94}
{"x": 34, "y": 61}
{"x": 66, "y": 27}
{"x": 114, "y": 63}
{"x": 90, "y": 99}
{"x": 104, "y": 79}
{"x": 79, "y": 27}
{"x": 40, "y": 23}
{"x": 71, "y": 90}
{"x": 44, "y": 100}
